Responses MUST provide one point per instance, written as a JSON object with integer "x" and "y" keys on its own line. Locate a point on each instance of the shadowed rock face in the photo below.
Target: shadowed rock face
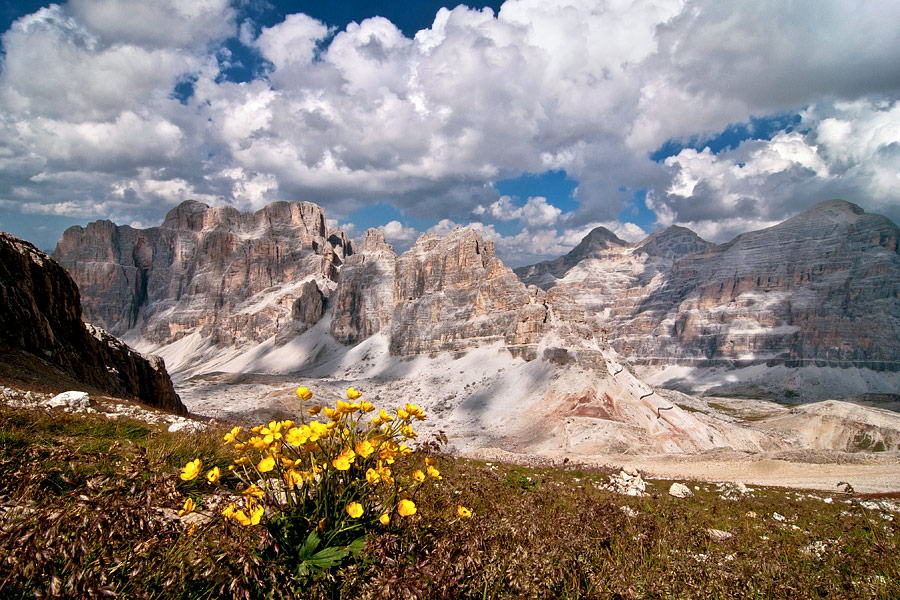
{"x": 821, "y": 288}
{"x": 364, "y": 300}
{"x": 40, "y": 314}
{"x": 234, "y": 277}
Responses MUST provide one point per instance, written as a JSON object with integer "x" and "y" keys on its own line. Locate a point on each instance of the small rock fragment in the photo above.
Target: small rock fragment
{"x": 71, "y": 399}
{"x": 717, "y": 535}
{"x": 679, "y": 490}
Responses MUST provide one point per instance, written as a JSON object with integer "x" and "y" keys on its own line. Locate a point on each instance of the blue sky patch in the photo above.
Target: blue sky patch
{"x": 758, "y": 128}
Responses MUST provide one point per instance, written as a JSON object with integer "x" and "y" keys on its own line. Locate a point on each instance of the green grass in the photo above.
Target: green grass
{"x": 82, "y": 495}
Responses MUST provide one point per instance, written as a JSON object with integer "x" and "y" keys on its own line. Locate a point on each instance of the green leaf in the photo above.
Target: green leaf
{"x": 329, "y": 557}
{"x": 357, "y": 545}
{"x": 309, "y": 546}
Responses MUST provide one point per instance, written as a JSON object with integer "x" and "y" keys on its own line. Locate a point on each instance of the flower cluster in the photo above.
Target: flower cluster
{"x": 334, "y": 473}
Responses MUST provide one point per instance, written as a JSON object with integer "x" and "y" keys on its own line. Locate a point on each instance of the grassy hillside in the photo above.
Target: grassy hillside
{"x": 90, "y": 509}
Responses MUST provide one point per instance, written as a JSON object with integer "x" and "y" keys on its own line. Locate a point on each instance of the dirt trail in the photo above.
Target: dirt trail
{"x": 871, "y": 477}
{"x": 814, "y": 470}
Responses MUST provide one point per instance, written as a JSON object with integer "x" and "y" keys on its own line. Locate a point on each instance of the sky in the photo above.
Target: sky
{"x": 532, "y": 121}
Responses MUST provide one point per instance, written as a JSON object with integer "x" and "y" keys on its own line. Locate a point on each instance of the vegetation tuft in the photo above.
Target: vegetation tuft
{"x": 90, "y": 508}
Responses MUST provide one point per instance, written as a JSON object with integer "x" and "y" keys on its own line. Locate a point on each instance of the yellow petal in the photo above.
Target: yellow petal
{"x": 304, "y": 393}
{"x": 266, "y": 464}
{"x": 406, "y": 508}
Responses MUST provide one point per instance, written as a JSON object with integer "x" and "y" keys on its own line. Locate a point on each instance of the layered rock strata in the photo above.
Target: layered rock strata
{"x": 231, "y": 277}
{"x": 40, "y": 322}
{"x": 452, "y": 293}
{"x": 822, "y": 288}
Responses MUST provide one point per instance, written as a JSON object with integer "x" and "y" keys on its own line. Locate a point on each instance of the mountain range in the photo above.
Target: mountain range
{"x": 822, "y": 288}
{"x": 563, "y": 355}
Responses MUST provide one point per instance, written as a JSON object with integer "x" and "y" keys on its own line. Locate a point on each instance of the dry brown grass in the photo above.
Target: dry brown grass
{"x": 80, "y": 498}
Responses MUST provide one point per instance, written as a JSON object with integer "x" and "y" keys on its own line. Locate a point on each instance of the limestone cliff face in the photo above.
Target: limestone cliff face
{"x": 40, "y": 322}
{"x": 821, "y": 288}
{"x": 452, "y": 293}
{"x": 363, "y": 303}
{"x": 233, "y": 277}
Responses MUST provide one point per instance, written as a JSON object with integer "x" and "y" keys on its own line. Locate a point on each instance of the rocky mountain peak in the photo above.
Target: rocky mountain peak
{"x": 598, "y": 240}
{"x": 188, "y": 215}
{"x": 672, "y": 242}
{"x": 374, "y": 241}
{"x": 202, "y": 270}
{"x": 598, "y": 244}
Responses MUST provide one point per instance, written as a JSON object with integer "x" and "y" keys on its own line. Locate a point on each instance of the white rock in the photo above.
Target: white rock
{"x": 679, "y": 490}
{"x": 717, "y": 535}
{"x": 186, "y": 427}
{"x": 70, "y": 399}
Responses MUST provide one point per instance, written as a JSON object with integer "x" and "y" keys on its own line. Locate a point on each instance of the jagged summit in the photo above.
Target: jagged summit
{"x": 820, "y": 288}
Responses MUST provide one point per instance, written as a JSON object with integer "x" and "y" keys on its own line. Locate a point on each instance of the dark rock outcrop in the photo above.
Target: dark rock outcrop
{"x": 363, "y": 303}
{"x": 40, "y": 321}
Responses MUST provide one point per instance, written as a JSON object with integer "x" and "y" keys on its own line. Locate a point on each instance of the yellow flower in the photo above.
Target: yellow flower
{"x": 189, "y": 506}
{"x": 419, "y": 476}
{"x": 256, "y": 513}
{"x": 243, "y": 460}
{"x": 406, "y": 508}
{"x": 332, "y": 414}
{"x": 191, "y": 470}
{"x": 266, "y": 464}
{"x": 297, "y": 436}
{"x": 405, "y": 450}
{"x": 239, "y": 447}
{"x": 192, "y": 528}
{"x": 353, "y": 394}
{"x": 287, "y": 463}
{"x": 385, "y": 519}
{"x": 376, "y": 421}
{"x": 402, "y": 414}
{"x": 318, "y": 430}
{"x": 342, "y": 462}
{"x": 232, "y": 435}
{"x": 388, "y": 452}
{"x": 434, "y": 472}
{"x": 408, "y": 432}
{"x": 314, "y": 410}
{"x": 385, "y": 417}
{"x": 254, "y": 491}
{"x": 430, "y": 461}
{"x": 373, "y": 477}
{"x": 366, "y": 406}
{"x": 365, "y": 448}
{"x": 304, "y": 393}
{"x": 213, "y": 475}
{"x": 346, "y": 408}
{"x": 293, "y": 478}
{"x": 463, "y": 512}
{"x": 415, "y": 411}
{"x": 355, "y": 510}
{"x": 228, "y": 511}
